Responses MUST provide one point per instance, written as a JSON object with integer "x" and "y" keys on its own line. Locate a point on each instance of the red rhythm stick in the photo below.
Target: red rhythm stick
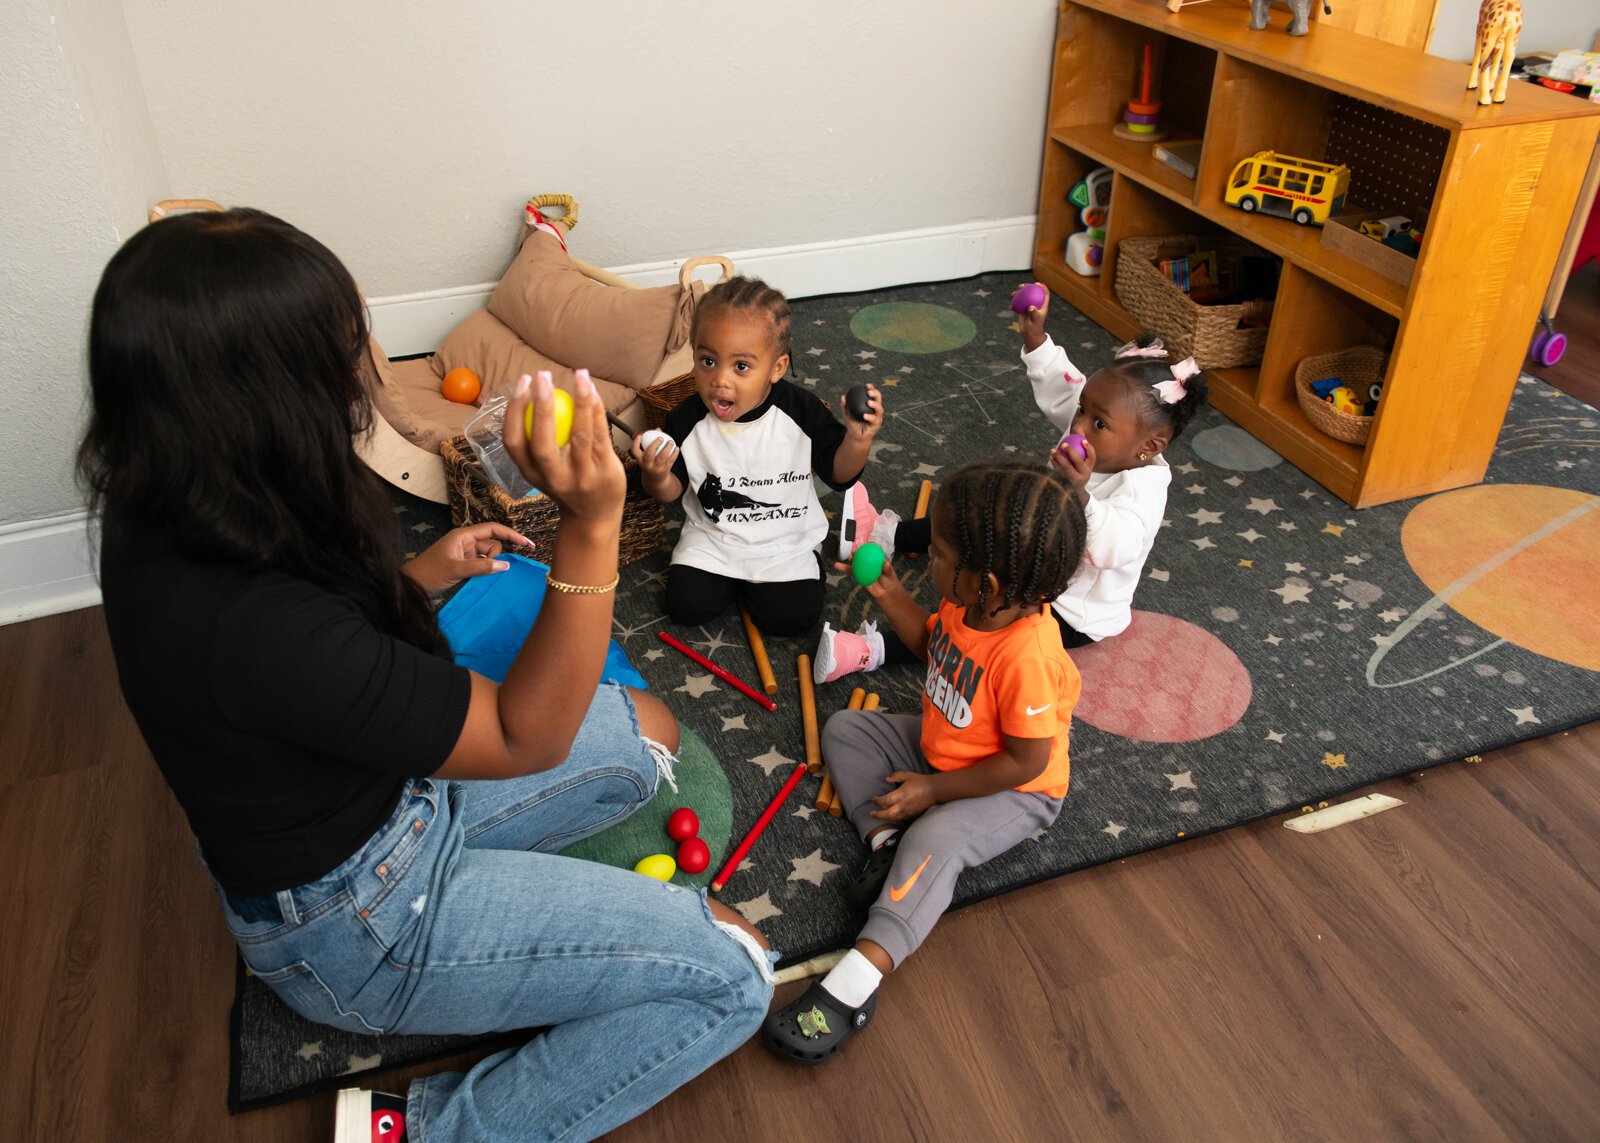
{"x": 1144, "y": 85}
{"x": 755, "y": 830}
{"x": 754, "y": 695}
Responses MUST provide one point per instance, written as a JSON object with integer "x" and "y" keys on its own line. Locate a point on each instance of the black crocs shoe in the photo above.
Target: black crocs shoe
{"x": 814, "y": 1027}
{"x": 863, "y": 889}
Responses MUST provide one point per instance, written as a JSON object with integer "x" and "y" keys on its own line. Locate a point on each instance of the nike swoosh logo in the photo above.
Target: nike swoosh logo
{"x": 897, "y": 894}
{"x": 1041, "y": 710}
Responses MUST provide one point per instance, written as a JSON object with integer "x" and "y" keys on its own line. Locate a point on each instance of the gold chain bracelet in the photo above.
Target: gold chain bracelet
{"x": 583, "y": 588}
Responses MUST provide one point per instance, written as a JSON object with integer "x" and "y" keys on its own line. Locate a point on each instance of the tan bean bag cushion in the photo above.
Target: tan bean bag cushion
{"x": 619, "y": 334}
{"x": 499, "y": 357}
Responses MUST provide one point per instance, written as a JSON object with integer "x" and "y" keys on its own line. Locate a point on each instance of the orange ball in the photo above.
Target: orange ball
{"x": 461, "y": 385}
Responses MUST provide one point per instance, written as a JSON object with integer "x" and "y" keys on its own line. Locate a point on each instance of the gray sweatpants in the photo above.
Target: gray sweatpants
{"x": 862, "y": 749}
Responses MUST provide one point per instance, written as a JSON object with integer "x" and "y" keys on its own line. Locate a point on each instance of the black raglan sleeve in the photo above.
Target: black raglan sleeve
{"x": 818, "y": 423}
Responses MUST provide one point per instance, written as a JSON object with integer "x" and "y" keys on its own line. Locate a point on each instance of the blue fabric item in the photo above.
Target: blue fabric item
{"x": 487, "y": 620}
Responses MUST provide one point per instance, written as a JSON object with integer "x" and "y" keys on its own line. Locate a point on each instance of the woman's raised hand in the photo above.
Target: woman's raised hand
{"x": 584, "y": 477}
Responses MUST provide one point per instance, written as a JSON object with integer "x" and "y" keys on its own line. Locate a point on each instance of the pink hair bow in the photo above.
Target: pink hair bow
{"x": 1155, "y": 349}
{"x": 1171, "y": 392}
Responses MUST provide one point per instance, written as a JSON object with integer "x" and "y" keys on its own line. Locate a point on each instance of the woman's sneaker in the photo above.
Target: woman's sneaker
{"x": 363, "y": 1116}
{"x": 841, "y": 653}
{"x": 861, "y": 523}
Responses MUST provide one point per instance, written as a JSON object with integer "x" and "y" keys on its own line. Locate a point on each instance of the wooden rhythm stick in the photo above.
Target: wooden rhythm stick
{"x": 740, "y": 685}
{"x": 758, "y": 652}
{"x": 827, "y": 797}
{"x": 808, "y": 715}
{"x": 755, "y": 831}
{"x": 870, "y": 702}
{"x": 924, "y": 494}
{"x": 824, "y": 793}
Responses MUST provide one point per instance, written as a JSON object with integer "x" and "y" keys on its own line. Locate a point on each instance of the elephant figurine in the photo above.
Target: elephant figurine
{"x": 1300, "y": 21}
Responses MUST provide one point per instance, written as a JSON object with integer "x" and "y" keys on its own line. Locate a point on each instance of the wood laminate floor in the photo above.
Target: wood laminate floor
{"x": 1425, "y": 974}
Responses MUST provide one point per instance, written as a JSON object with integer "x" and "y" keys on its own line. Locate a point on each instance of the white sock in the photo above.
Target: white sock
{"x": 883, "y": 838}
{"x": 883, "y": 531}
{"x": 852, "y": 980}
{"x": 869, "y": 631}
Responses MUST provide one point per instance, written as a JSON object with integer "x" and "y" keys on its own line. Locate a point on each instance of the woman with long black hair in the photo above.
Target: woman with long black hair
{"x": 379, "y": 821}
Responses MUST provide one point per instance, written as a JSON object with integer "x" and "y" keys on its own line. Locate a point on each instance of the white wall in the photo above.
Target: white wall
{"x": 77, "y": 168}
{"x": 1547, "y": 26}
{"x": 407, "y": 135}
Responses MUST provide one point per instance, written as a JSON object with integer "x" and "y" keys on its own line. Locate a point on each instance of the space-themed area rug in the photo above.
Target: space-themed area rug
{"x": 1285, "y": 648}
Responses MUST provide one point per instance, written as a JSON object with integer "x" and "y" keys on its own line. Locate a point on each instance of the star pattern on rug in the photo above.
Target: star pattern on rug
{"x": 772, "y": 760}
{"x": 1113, "y": 828}
{"x": 758, "y": 909}
{"x": 813, "y": 867}
{"x": 1524, "y": 715}
{"x": 1334, "y": 761}
{"x": 1183, "y": 781}
{"x": 698, "y": 686}
{"x": 1293, "y": 592}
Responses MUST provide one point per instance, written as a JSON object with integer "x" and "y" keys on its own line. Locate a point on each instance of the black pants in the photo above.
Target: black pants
{"x": 695, "y": 597}
{"x": 915, "y": 536}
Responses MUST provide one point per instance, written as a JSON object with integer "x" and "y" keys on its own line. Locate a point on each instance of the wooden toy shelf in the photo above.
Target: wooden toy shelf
{"x": 1497, "y": 185}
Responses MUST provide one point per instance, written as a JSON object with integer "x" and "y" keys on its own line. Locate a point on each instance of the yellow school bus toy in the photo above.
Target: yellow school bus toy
{"x": 1282, "y": 185}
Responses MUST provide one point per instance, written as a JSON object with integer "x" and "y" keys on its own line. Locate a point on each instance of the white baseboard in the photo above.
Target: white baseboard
{"x": 46, "y": 566}
{"x": 407, "y": 324}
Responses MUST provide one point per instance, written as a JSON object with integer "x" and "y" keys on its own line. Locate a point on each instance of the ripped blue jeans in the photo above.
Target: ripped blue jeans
{"x": 457, "y": 917}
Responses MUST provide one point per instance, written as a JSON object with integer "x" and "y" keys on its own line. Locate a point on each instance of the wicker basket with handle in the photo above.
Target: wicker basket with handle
{"x": 475, "y": 498}
{"x": 659, "y": 400}
{"x": 1218, "y": 337}
{"x": 1358, "y": 367}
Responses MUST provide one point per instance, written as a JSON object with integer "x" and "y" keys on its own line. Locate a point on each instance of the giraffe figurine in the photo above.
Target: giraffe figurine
{"x": 1499, "y": 25}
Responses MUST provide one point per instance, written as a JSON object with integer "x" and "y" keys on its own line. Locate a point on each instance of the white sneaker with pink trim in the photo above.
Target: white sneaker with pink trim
{"x": 841, "y": 653}
{"x": 861, "y": 523}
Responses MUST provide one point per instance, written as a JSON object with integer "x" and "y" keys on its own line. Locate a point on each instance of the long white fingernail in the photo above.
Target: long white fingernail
{"x": 585, "y": 385}
{"x": 501, "y": 565}
{"x": 547, "y": 383}
{"x": 522, "y": 385}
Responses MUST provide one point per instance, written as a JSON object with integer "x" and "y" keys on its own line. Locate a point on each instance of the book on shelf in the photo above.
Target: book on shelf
{"x": 1182, "y": 155}
{"x": 1197, "y": 271}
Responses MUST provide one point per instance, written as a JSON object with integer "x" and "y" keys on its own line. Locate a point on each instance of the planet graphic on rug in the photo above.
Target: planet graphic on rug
{"x": 702, "y": 786}
{"x": 1161, "y": 680}
{"x": 1516, "y": 559}
{"x": 913, "y": 327}
{"x": 1228, "y": 446}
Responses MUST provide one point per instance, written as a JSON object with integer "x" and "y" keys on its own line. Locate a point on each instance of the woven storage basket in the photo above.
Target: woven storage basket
{"x": 1358, "y": 367}
{"x": 1210, "y": 334}
{"x": 659, "y": 400}
{"x": 475, "y": 498}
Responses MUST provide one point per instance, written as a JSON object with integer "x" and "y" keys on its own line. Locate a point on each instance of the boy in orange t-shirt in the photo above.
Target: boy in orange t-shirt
{"x": 985, "y": 765}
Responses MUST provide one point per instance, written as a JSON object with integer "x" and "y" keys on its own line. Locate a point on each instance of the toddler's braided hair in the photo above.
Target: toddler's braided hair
{"x": 1017, "y": 521}
{"x": 741, "y": 293}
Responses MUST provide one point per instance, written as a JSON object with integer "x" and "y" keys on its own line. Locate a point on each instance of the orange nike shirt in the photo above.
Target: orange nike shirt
{"x": 984, "y": 685}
